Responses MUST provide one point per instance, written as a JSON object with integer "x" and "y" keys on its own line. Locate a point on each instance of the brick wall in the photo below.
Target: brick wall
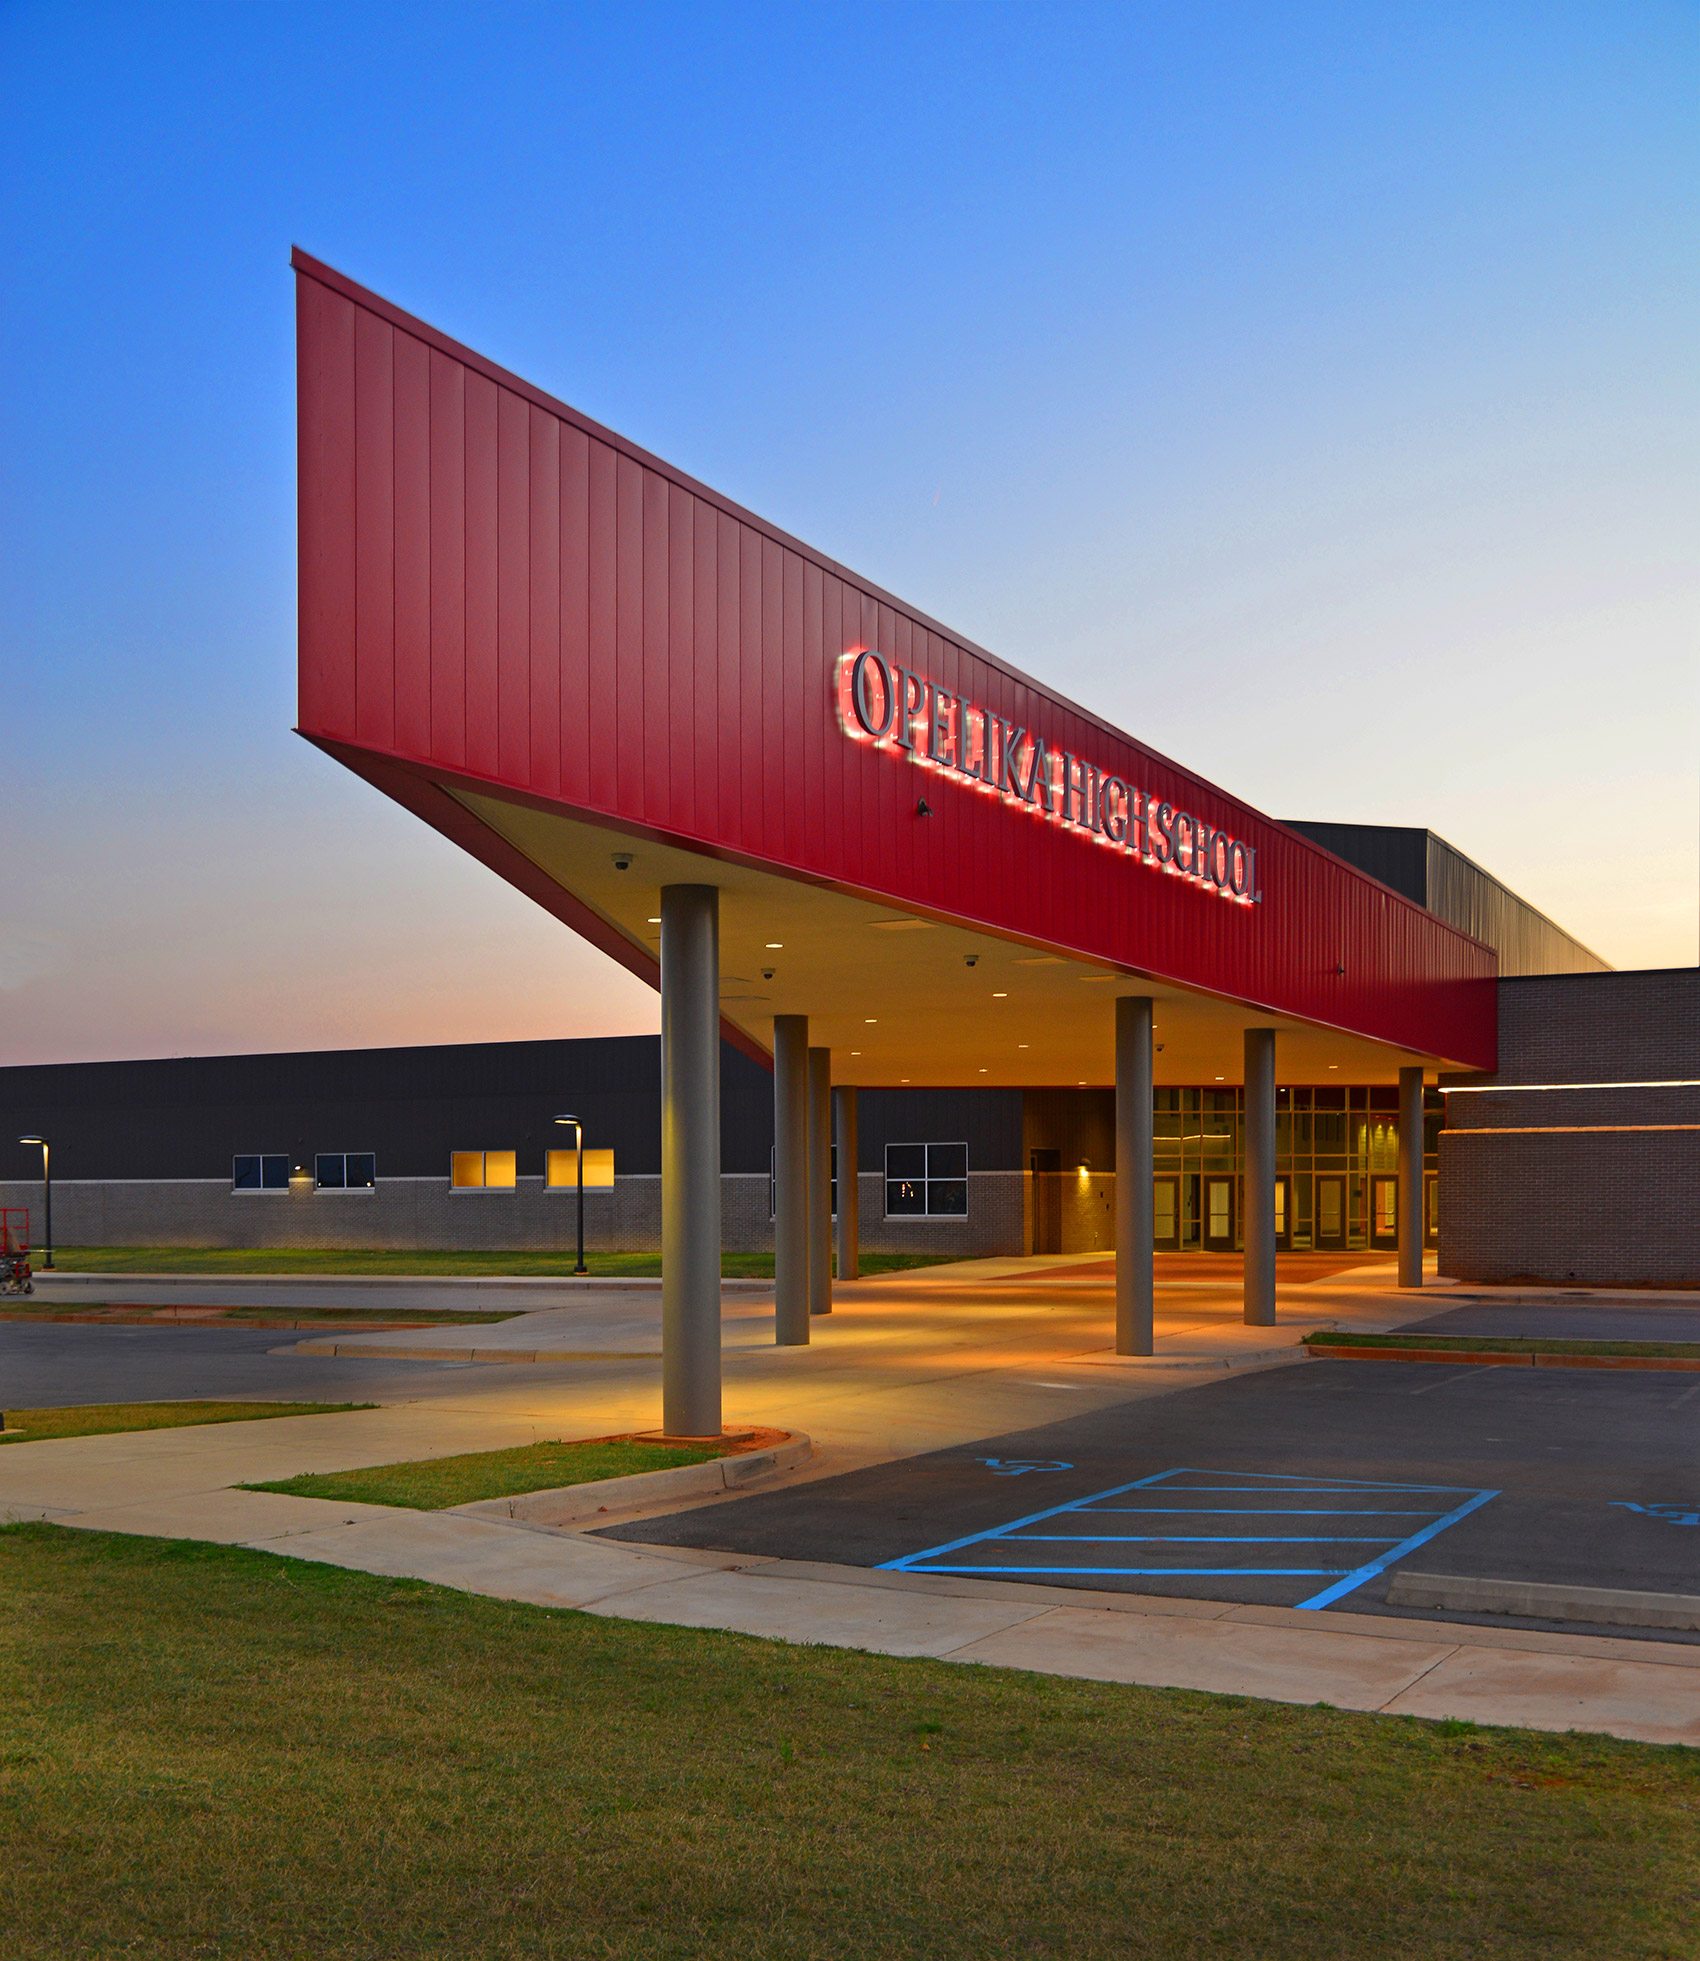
{"x": 1597, "y": 1185}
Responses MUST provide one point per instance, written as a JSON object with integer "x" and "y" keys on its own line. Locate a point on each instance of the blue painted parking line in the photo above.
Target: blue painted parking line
{"x": 1073, "y": 1524}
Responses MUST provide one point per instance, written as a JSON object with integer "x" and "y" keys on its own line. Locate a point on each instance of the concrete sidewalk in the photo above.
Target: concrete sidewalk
{"x": 1061, "y": 1305}
{"x": 177, "y": 1484}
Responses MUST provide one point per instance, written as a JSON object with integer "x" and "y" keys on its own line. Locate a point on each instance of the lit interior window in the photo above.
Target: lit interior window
{"x": 471, "y": 1171}
{"x": 561, "y": 1171}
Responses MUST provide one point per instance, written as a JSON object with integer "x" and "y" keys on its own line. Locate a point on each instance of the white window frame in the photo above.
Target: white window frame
{"x": 468, "y": 1191}
{"x": 261, "y": 1190}
{"x": 346, "y": 1190}
{"x": 927, "y": 1181}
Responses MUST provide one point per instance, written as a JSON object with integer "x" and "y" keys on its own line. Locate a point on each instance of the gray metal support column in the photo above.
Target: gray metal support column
{"x": 849, "y": 1186}
{"x": 791, "y": 1180}
{"x": 1135, "y": 1275}
{"x": 690, "y": 1160}
{"x": 1410, "y": 1177}
{"x": 820, "y": 1181}
{"x": 1260, "y": 1177}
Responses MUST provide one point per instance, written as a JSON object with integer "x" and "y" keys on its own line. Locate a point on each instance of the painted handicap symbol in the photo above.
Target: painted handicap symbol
{"x": 1678, "y": 1514}
{"x": 1015, "y": 1467}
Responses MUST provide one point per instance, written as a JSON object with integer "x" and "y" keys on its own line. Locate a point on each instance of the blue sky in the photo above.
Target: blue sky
{"x": 1311, "y": 389}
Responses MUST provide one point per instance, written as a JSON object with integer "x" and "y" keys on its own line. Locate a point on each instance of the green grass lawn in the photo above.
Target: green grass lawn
{"x": 209, "y": 1752}
{"x": 321, "y": 1259}
{"x": 435, "y": 1483}
{"x": 99, "y": 1419}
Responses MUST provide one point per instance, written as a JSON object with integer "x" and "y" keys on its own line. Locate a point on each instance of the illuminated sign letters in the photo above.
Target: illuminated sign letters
{"x": 883, "y": 702}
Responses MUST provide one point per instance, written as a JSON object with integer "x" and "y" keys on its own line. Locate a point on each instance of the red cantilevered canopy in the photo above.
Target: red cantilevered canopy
{"x": 600, "y": 678}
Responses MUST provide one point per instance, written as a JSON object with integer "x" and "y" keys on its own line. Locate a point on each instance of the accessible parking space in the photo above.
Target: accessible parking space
{"x": 1309, "y": 1486}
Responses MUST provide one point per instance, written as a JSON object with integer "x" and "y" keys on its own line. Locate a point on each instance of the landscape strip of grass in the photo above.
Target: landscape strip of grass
{"x": 211, "y": 1751}
{"x": 428, "y": 1263}
{"x": 265, "y": 1317}
{"x": 103, "y": 1419}
{"x": 1507, "y": 1344}
{"x": 432, "y": 1484}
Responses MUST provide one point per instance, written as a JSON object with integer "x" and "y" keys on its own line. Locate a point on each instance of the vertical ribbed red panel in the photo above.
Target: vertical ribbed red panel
{"x": 412, "y": 508}
{"x": 495, "y": 589}
{"x": 448, "y": 562}
{"x": 325, "y": 412}
{"x": 483, "y": 560}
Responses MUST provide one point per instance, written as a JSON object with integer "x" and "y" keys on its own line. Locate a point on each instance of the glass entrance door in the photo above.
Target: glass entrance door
{"x": 1384, "y": 1212}
{"x": 1330, "y": 1212}
{"x": 1284, "y": 1214}
{"x": 1166, "y": 1214}
{"x": 1219, "y": 1215}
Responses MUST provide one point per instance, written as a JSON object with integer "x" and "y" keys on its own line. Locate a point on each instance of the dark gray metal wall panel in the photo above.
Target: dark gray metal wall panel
{"x": 186, "y": 1117}
{"x": 987, "y": 1120}
{"x": 1394, "y": 853}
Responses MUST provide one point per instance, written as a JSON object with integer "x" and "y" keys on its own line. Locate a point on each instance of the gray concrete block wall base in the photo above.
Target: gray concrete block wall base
{"x": 424, "y": 1215}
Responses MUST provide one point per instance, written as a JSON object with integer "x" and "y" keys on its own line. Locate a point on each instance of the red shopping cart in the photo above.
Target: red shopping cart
{"x": 15, "y": 1250}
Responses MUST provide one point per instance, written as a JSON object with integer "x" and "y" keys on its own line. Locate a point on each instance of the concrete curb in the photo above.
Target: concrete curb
{"x": 1603, "y": 1606}
{"x": 1511, "y": 1294}
{"x": 569, "y": 1503}
{"x": 1496, "y": 1358}
{"x": 413, "y": 1353}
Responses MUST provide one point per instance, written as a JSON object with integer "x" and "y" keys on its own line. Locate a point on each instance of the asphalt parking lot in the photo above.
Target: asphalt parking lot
{"x": 60, "y": 1364}
{"x": 1304, "y": 1486}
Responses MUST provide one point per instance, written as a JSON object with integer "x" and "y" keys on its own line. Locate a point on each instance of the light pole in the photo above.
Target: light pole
{"x": 47, "y": 1200}
{"x": 578, "y": 1152}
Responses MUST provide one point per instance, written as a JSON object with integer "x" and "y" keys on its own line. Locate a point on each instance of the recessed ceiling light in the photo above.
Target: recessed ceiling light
{"x": 869, "y": 1020}
{"x": 855, "y": 1051}
{"x": 1081, "y": 1084}
{"x": 996, "y": 996}
{"x": 655, "y": 922}
{"x": 903, "y": 1079}
{"x": 776, "y": 946}
{"x": 982, "y": 1072}
{"x": 1221, "y": 1079}
{"x": 1333, "y": 1065}
{"x": 1021, "y": 1045}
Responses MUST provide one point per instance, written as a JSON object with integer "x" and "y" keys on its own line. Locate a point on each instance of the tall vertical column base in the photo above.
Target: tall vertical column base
{"x": 690, "y": 1161}
{"x": 791, "y": 1180}
{"x": 820, "y": 1181}
{"x": 849, "y": 1185}
{"x": 1136, "y": 1332}
{"x": 1410, "y": 1177}
{"x": 1260, "y": 1177}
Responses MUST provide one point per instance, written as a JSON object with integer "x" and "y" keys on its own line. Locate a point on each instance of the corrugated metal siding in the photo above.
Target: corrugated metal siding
{"x": 690, "y": 656}
{"x": 1437, "y": 875}
{"x": 1397, "y": 854}
{"x": 186, "y": 1117}
{"x": 1474, "y": 901}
